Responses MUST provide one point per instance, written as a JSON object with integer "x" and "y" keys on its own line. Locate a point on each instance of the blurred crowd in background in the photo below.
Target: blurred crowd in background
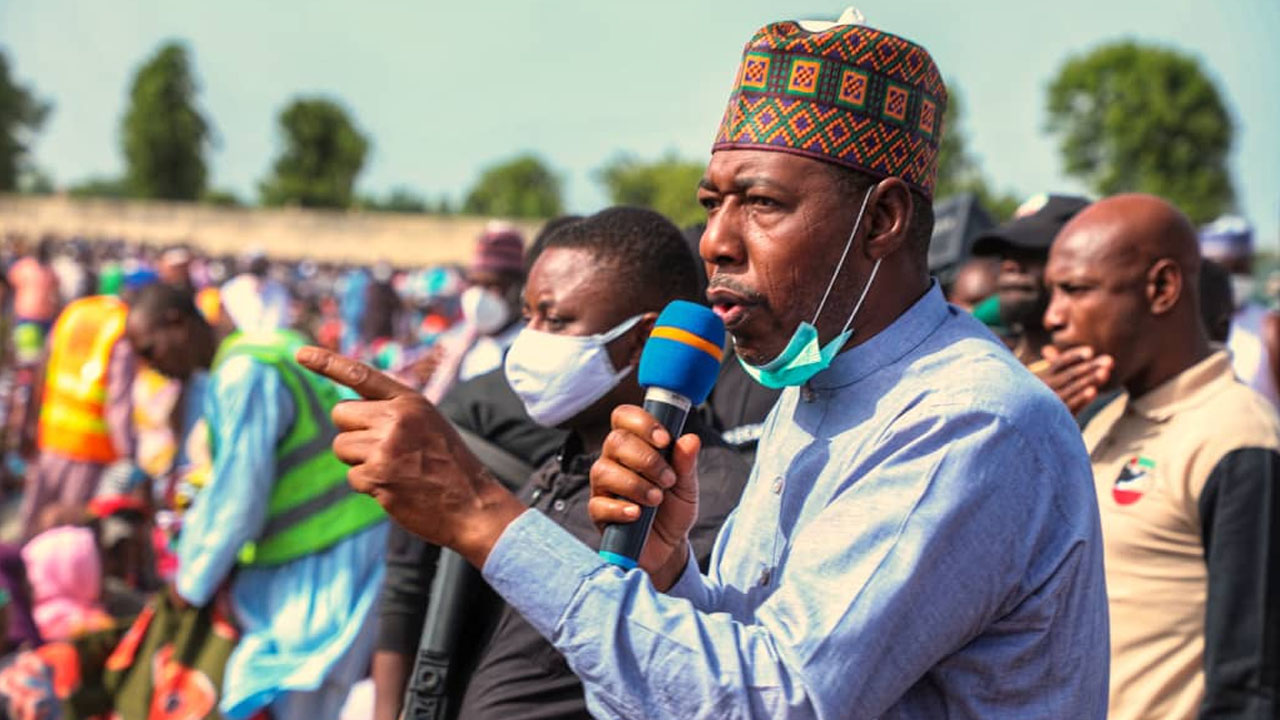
{"x": 97, "y": 481}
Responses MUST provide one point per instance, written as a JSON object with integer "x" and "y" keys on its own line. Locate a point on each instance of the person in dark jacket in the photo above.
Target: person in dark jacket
{"x": 591, "y": 298}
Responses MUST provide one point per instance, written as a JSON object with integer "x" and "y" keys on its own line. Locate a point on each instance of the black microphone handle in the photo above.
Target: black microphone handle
{"x": 623, "y": 543}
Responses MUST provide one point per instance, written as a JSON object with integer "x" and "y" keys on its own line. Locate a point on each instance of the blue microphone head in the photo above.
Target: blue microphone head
{"x": 684, "y": 350}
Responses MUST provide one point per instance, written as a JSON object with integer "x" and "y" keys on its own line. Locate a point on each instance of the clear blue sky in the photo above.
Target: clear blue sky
{"x": 446, "y": 88}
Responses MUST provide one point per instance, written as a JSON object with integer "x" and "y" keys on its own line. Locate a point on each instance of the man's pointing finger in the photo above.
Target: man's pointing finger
{"x": 367, "y": 382}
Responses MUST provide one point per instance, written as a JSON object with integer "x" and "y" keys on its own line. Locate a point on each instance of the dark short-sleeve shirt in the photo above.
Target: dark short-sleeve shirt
{"x": 487, "y": 407}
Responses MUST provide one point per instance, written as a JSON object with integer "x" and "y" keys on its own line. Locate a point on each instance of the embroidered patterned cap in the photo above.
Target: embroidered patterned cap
{"x": 841, "y": 92}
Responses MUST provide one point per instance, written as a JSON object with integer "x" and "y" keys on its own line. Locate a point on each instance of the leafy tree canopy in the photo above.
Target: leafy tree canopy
{"x": 22, "y": 114}
{"x": 1137, "y": 118}
{"x": 163, "y": 133}
{"x": 668, "y": 185}
{"x": 323, "y": 154}
{"x": 522, "y": 187}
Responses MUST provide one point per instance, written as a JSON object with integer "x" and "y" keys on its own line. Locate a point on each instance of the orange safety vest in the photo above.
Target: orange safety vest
{"x": 73, "y": 420}
{"x": 209, "y": 301}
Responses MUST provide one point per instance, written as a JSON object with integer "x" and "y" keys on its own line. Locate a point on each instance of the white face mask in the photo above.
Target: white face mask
{"x": 559, "y": 376}
{"x": 484, "y": 310}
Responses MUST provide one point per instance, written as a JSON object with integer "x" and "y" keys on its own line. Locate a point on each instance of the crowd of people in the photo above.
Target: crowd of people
{"x": 156, "y": 428}
{"x": 245, "y": 487}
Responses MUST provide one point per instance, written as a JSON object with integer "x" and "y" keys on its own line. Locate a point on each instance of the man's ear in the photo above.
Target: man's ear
{"x": 640, "y": 335}
{"x": 887, "y": 218}
{"x": 1164, "y": 286}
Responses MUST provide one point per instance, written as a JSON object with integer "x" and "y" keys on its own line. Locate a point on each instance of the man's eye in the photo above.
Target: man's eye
{"x": 761, "y": 201}
{"x": 709, "y": 203}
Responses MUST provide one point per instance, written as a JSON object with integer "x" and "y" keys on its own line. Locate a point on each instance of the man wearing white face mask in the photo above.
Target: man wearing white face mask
{"x": 490, "y": 321}
{"x": 590, "y": 301}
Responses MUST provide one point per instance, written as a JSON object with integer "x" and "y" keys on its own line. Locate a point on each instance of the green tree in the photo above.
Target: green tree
{"x": 34, "y": 181}
{"x": 22, "y": 115}
{"x": 523, "y": 187}
{"x": 164, "y": 134}
{"x": 100, "y": 187}
{"x": 324, "y": 153}
{"x": 1001, "y": 205}
{"x": 668, "y": 185}
{"x": 400, "y": 199}
{"x": 404, "y": 200}
{"x": 1138, "y": 118}
{"x": 958, "y": 170}
{"x": 221, "y": 198}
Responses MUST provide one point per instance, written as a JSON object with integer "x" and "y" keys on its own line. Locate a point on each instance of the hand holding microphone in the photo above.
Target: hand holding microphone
{"x": 643, "y": 465}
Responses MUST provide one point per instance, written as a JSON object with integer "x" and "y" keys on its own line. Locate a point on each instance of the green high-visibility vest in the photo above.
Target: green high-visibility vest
{"x": 311, "y": 506}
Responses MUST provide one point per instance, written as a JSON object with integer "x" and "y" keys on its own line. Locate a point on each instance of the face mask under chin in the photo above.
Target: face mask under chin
{"x": 803, "y": 357}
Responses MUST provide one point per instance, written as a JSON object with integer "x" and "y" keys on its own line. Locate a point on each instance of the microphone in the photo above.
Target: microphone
{"x": 678, "y": 366}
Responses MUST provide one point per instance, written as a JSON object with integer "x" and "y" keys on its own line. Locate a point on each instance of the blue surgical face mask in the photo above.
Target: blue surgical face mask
{"x": 803, "y": 357}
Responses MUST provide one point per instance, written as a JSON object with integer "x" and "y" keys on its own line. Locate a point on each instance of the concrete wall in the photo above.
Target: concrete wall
{"x": 288, "y": 233}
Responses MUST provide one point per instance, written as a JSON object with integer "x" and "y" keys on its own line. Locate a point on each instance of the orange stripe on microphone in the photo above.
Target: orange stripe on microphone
{"x": 687, "y": 338}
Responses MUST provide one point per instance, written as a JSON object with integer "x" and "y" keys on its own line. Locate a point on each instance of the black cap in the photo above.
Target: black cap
{"x": 1033, "y": 226}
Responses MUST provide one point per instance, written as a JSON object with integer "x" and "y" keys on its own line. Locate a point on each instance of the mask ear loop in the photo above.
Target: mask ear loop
{"x": 865, "y": 289}
{"x": 620, "y": 329}
{"x": 840, "y": 265}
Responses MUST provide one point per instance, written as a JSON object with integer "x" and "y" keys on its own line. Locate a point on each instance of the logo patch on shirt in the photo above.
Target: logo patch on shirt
{"x": 1133, "y": 481}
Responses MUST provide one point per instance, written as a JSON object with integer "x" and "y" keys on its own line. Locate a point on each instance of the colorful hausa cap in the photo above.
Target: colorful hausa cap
{"x": 841, "y": 92}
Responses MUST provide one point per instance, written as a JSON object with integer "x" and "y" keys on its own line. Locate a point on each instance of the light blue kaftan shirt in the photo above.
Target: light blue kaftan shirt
{"x": 919, "y": 539}
{"x": 305, "y": 623}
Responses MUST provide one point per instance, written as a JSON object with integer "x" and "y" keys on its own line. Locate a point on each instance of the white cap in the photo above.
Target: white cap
{"x": 850, "y": 16}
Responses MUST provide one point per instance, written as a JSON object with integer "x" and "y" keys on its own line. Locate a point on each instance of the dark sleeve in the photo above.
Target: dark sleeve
{"x": 406, "y": 588}
{"x": 1239, "y": 509}
{"x": 488, "y": 407}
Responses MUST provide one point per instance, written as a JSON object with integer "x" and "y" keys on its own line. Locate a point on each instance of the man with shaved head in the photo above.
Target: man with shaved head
{"x": 1185, "y": 463}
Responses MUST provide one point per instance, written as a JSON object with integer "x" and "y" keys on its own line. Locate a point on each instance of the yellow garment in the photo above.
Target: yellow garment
{"x": 73, "y": 413}
{"x": 195, "y": 475}
{"x": 154, "y": 398}
{"x": 209, "y": 302}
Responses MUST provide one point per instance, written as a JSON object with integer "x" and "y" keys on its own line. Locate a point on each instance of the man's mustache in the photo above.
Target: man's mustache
{"x": 725, "y": 282}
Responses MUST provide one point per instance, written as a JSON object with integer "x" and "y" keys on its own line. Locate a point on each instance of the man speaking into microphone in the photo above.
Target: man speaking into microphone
{"x": 919, "y": 537}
